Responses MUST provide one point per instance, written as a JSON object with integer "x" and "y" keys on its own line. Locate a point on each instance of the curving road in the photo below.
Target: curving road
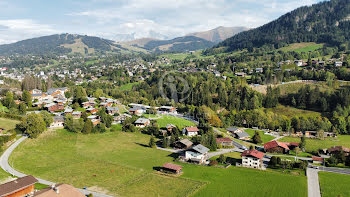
{"x": 5, "y": 166}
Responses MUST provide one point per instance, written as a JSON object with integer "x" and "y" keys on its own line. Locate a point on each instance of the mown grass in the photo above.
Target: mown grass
{"x": 315, "y": 144}
{"x": 264, "y": 138}
{"x": 180, "y": 122}
{"x": 122, "y": 164}
{"x": 112, "y": 161}
{"x": 8, "y": 124}
{"x": 292, "y": 88}
{"x": 235, "y": 181}
{"x": 291, "y": 112}
{"x": 334, "y": 184}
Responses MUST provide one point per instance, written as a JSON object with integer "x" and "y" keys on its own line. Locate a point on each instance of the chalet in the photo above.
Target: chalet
{"x": 336, "y": 149}
{"x": 76, "y": 114}
{"x": 103, "y": 99}
{"x": 58, "y": 122}
{"x": 170, "y": 127}
{"x": 197, "y": 154}
{"x": 35, "y": 91}
{"x": 252, "y": 159}
{"x": 317, "y": 160}
{"x": 87, "y": 104}
{"x": 310, "y": 134}
{"x": 55, "y": 108}
{"x": 242, "y": 135}
{"x": 276, "y": 147}
{"x": 92, "y": 110}
{"x": 121, "y": 118}
{"x": 338, "y": 64}
{"x": 112, "y": 110}
{"x": 298, "y": 62}
{"x": 234, "y": 130}
{"x": 224, "y": 141}
{"x": 167, "y": 109}
{"x": 59, "y": 190}
{"x": 91, "y": 99}
{"x": 137, "y": 110}
{"x": 105, "y": 104}
{"x": 190, "y": 131}
{"x": 68, "y": 111}
{"x": 95, "y": 121}
{"x": 183, "y": 144}
{"x": 259, "y": 70}
{"x": 172, "y": 168}
{"x": 142, "y": 122}
{"x": 240, "y": 74}
{"x": 18, "y": 188}
{"x": 38, "y": 97}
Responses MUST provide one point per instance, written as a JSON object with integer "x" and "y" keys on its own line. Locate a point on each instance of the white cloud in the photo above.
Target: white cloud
{"x": 19, "y": 29}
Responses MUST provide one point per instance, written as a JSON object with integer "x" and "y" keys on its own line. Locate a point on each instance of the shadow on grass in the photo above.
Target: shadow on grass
{"x": 143, "y": 145}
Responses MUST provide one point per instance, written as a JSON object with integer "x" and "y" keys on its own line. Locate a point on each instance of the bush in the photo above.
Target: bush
{"x": 213, "y": 163}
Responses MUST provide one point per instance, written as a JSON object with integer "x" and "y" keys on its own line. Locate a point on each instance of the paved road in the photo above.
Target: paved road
{"x": 313, "y": 186}
{"x": 335, "y": 170}
{"x": 5, "y": 166}
{"x": 223, "y": 151}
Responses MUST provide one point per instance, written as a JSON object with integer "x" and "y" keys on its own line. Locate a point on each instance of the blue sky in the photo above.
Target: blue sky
{"x": 22, "y": 19}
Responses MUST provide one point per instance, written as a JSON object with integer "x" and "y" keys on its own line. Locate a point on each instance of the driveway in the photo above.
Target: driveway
{"x": 223, "y": 151}
{"x": 313, "y": 186}
{"x": 5, "y": 166}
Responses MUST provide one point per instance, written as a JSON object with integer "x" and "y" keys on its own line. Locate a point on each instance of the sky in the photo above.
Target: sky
{"x": 118, "y": 19}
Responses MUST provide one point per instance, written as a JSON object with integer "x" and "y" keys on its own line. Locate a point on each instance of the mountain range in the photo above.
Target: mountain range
{"x": 73, "y": 43}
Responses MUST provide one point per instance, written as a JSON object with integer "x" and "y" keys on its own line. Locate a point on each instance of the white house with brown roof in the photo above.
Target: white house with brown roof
{"x": 252, "y": 159}
{"x": 190, "y": 131}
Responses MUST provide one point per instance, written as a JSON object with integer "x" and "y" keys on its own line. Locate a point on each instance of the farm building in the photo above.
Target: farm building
{"x": 172, "y": 168}
{"x": 183, "y": 144}
{"x": 276, "y": 147}
{"x": 59, "y": 190}
{"x": 142, "y": 122}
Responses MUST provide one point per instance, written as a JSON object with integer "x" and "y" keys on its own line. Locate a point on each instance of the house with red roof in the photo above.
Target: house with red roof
{"x": 276, "y": 147}
{"x": 317, "y": 160}
{"x": 252, "y": 159}
{"x": 190, "y": 131}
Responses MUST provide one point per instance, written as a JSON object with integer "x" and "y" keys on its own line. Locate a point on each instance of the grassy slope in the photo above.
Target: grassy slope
{"x": 120, "y": 163}
{"x": 302, "y": 47}
{"x": 315, "y": 144}
{"x": 264, "y": 138}
{"x": 334, "y": 184}
{"x": 291, "y": 111}
{"x": 8, "y": 123}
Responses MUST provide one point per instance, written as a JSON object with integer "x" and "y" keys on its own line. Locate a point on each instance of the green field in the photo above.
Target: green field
{"x": 292, "y": 88}
{"x": 264, "y": 138}
{"x": 235, "y": 181}
{"x": 291, "y": 112}
{"x": 120, "y": 164}
{"x": 8, "y": 124}
{"x": 315, "y": 144}
{"x": 128, "y": 87}
{"x": 302, "y": 47}
{"x": 333, "y": 185}
{"x": 180, "y": 122}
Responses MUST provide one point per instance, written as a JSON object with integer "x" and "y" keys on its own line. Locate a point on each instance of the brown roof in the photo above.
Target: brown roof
{"x": 317, "y": 158}
{"x": 172, "y": 166}
{"x": 17, "y": 185}
{"x": 273, "y": 144}
{"x": 253, "y": 153}
{"x": 339, "y": 148}
{"x": 220, "y": 140}
{"x": 192, "y": 129}
{"x": 59, "y": 190}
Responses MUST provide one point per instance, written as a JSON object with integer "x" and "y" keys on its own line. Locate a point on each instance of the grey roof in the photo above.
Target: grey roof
{"x": 76, "y": 113}
{"x": 186, "y": 142}
{"x": 232, "y": 129}
{"x": 200, "y": 148}
{"x": 242, "y": 134}
{"x": 112, "y": 108}
{"x": 141, "y": 121}
{"x": 58, "y": 119}
{"x": 136, "y": 108}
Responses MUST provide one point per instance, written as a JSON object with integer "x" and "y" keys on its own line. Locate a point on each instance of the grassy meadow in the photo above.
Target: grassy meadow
{"x": 291, "y": 112}
{"x": 302, "y": 47}
{"x": 180, "y": 122}
{"x": 128, "y": 86}
{"x": 315, "y": 144}
{"x": 8, "y": 124}
{"x": 121, "y": 164}
{"x": 334, "y": 184}
{"x": 264, "y": 138}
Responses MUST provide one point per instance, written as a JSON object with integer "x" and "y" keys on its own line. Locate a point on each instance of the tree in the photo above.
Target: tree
{"x": 35, "y": 125}
{"x": 27, "y": 98}
{"x": 98, "y": 93}
{"x": 222, "y": 159}
{"x": 302, "y": 143}
{"x": 8, "y": 100}
{"x": 47, "y": 118}
{"x": 273, "y": 161}
{"x": 79, "y": 95}
{"x": 165, "y": 142}
{"x": 22, "y": 108}
{"x": 256, "y": 138}
{"x": 88, "y": 126}
{"x": 152, "y": 142}
{"x": 320, "y": 134}
{"x": 68, "y": 122}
